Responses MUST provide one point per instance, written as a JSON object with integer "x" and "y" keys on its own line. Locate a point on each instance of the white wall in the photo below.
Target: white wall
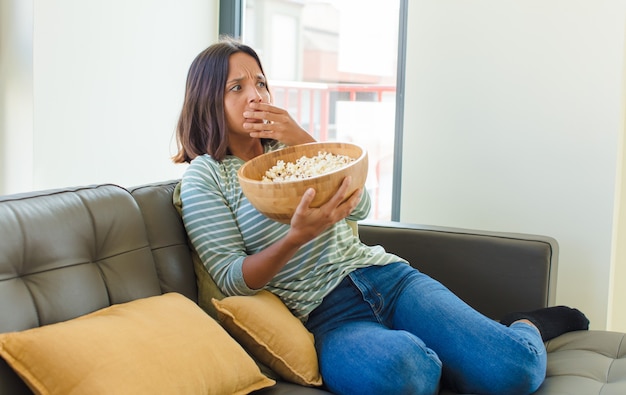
{"x": 514, "y": 116}
{"x": 617, "y": 295}
{"x": 16, "y": 94}
{"x": 107, "y": 81}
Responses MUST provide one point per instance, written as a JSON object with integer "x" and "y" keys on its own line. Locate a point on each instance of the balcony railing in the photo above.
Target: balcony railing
{"x": 311, "y": 103}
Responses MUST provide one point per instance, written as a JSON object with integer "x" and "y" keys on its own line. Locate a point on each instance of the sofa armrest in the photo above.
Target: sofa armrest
{"x": 494, "y": 272}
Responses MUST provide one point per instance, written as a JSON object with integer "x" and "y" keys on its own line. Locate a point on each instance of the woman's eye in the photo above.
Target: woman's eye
{"x": 261, "y": 84}
{"x": 235, "y": 88}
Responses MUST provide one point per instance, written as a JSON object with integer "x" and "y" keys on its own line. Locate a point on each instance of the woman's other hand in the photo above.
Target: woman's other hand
{"x": 309, "y": 222}
{"x": 276, "y": 124}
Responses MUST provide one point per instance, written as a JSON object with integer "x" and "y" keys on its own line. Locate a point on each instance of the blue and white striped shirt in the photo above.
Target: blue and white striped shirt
{"x": 224, "y": 228}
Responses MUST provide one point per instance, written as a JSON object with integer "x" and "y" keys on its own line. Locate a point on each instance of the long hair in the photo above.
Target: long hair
{"x": 202, "y": 126}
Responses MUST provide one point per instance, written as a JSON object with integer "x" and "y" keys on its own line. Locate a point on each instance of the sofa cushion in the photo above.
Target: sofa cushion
{"x": 161, "y": 344}
{"x": 586, "y": 362}
{"x": 270, "y": 332}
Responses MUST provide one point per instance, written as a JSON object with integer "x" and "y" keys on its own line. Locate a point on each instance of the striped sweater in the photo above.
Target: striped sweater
{"x": 224, "y": 228}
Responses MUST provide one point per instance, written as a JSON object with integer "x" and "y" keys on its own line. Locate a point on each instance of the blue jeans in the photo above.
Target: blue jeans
{"x": 394, "y": 330}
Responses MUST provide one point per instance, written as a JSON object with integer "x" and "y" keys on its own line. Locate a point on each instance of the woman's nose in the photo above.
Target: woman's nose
{"x": 256, "y": 95}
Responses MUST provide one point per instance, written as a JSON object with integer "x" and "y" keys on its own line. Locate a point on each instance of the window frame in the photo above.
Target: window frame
{"x": 231, "y": 24}
{"x": 231, "y": 18}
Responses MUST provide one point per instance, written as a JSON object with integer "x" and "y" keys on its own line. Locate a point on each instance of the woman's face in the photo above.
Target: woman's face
{"x": 245, "y": 84}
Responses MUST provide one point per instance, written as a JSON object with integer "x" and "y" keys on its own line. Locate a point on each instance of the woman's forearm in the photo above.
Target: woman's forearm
{"x": 260, "y": 268}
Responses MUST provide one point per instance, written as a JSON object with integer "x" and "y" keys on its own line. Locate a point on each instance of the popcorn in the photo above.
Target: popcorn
{"x": 305, "y": 167}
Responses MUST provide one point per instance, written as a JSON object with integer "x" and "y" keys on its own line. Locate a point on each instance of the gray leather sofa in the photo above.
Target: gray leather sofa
{"x": 52, "y": 242}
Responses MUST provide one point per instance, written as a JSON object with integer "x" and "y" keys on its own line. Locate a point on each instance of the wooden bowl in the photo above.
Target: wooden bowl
{"x": 278, "y": 200}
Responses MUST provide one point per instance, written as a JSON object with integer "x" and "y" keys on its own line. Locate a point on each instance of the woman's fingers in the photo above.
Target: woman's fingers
{"x": 342, "y": 204}
{"x": 335, "y": 208}
{"x": 308, "y": 222}
{"x": 305, "y": 201}
{"x": 266, "y": 113}
{"x": 274, "y": 123}
{"x": 340, "y": 195}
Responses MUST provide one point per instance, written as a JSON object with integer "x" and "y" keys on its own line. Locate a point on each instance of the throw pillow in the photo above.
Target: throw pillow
{"x": 271, "y": 333}
{"x": 161, "y": 344}
{"x": 207, "y": 288}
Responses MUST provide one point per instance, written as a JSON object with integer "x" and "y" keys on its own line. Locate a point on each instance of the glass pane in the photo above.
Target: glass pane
{"x": 332, "y": 65}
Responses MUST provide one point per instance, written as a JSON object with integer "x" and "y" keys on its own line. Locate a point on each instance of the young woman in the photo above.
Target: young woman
{"x": 380, "y": 326}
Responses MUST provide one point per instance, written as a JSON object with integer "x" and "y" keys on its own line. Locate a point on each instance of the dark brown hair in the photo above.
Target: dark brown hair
{"x": 202, "y": 123}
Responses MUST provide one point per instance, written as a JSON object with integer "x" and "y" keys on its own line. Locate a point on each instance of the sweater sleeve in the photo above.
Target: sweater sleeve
{"x": 211, "y": 226}
{"x": 362, "y": 210}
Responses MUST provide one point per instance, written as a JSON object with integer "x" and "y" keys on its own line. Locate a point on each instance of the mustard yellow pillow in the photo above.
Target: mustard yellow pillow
{"x": 156, "y": 345}
{"x": 271, "y": 333}
{"x": 207, "y": 289}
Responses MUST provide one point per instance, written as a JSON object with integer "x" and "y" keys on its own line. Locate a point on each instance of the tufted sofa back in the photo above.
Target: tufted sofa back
{"x": 66, "y": 253}
{"x": 167, "y": 237}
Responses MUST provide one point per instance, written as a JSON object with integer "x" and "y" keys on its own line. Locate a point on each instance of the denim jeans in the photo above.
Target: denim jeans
{"x": 394, "y": 330}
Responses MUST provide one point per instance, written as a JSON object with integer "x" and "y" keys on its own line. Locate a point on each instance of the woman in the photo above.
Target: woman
{"x": 380, "y": 326}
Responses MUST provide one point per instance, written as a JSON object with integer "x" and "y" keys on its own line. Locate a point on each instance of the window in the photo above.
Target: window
{"x": 333, "y": 65}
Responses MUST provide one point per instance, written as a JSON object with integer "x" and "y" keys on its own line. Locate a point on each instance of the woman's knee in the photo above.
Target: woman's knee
{"x": 513, "y": 373}
{"x": 416, "y": 369}
{"x": 521, "y": 380}
{"x": 532, "y": 372}
{"x": 525, "y": 368}
{"x": 390, "y": 362}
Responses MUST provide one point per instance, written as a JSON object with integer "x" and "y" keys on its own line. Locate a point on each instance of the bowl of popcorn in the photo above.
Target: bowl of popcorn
{"x": 275, "y": 182}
